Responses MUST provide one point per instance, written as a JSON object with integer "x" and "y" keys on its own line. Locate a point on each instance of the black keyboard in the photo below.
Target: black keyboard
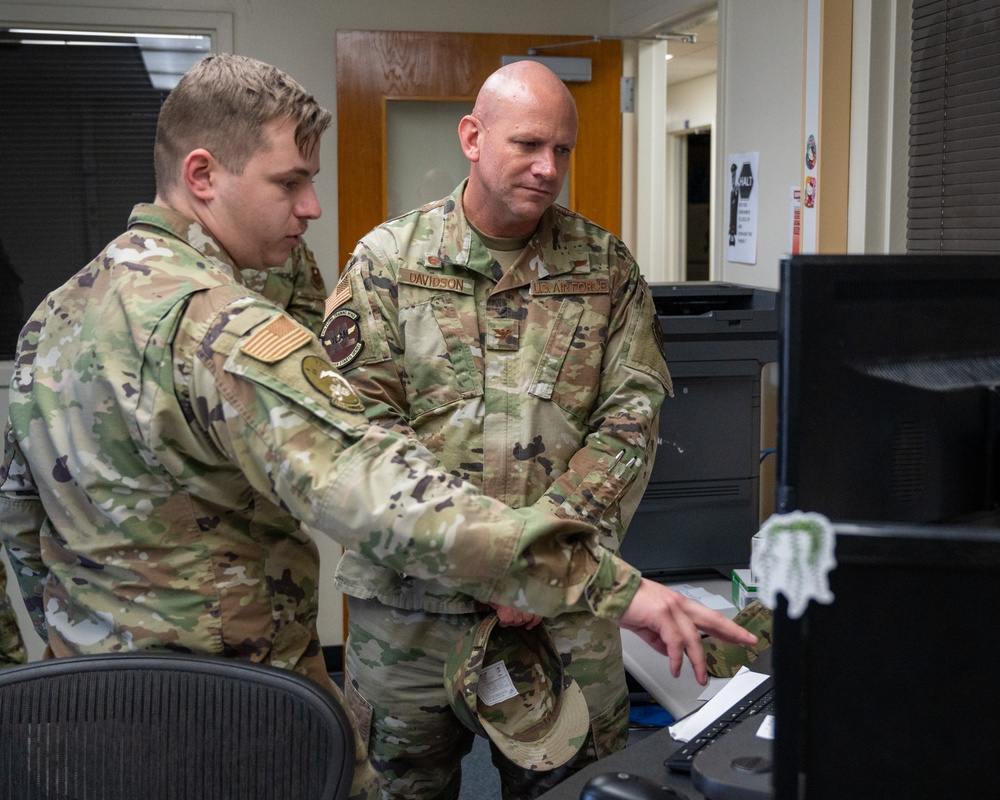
{"x": 757, "y": 702}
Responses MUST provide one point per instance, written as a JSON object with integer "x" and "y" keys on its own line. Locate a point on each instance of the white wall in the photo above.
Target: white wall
{"x": 880, "y": 98}
{"x": 635, "y": 16}
{"x": 760, "y": 110}
{"x": 691, "y": 104}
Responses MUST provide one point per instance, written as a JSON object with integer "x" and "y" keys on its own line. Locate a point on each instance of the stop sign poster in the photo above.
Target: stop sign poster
{"x": 742, "y": 229}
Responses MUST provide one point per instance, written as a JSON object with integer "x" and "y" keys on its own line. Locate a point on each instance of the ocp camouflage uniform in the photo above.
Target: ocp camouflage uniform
{"x": 297, "y": 286}
{"x": 12, "y": 649}
{"x": 170, "y": 429}
{"x": 540, "y": 385}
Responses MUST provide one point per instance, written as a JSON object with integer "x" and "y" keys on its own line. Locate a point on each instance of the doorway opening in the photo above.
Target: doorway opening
{"x": 697, "y": 204}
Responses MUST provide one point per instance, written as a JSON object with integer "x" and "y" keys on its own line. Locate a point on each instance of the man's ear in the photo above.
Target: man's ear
{"x": 199, "y": 173}
{"x": 468, "y": 135}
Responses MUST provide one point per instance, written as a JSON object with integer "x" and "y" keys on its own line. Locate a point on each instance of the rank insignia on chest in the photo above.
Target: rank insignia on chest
{"x": 502, "y": 334}
{"x": 341, "y": 337}
{"x": 331, "y": 383}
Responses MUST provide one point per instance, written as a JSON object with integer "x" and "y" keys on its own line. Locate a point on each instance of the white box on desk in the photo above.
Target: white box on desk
{"x": 744, "y": 588}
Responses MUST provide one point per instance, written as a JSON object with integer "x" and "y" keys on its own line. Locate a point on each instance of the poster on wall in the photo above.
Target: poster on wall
{"x": 742, "y": 232}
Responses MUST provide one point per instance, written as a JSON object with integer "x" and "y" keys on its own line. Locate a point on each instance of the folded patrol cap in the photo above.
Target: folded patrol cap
{"x": 509, "y": 684}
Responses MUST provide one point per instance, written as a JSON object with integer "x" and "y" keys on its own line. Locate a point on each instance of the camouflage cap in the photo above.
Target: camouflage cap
{"x": 509, "y": 684}
{"x": 724, "y": 659}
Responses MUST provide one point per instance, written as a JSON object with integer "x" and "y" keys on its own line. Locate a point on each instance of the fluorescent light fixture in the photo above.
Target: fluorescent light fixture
{"x": 166, "y": 56}
{"x": 112, "y": 34}
{"x": 77, "y": 43}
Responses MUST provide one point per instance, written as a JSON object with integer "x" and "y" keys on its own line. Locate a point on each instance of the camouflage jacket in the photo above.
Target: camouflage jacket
{"x": 12, "y": 650}
{"x": 170, "y": 428}
{"x": 297, "y": 286}
{"x": 541, "y": 386}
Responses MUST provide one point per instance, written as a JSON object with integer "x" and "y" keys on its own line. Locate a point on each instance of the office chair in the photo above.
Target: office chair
{"x": 149, "y": 726}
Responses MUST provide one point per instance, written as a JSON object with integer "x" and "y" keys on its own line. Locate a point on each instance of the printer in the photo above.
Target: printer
{"x": 702, "y": 504}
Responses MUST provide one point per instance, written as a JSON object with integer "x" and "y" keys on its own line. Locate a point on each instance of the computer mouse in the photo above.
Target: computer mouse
{"x": 624, "y": 786}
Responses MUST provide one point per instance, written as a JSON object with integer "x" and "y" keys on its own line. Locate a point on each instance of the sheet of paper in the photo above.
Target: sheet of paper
{"x": 735, "y": 690}
{"x": 703, "y": 596}
{"x": 715, "y": 685}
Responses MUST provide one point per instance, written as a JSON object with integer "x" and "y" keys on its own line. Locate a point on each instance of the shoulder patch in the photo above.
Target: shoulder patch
{"x": 341, "y": 294}
{"x": 331, "y": 383}
{"x": 280, "y": 337}
{"x": 341, "y": 337}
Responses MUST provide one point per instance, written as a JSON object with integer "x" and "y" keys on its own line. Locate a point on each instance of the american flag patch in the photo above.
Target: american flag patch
{"x": 276, "y": 340}
{"x": 341, "y": 294}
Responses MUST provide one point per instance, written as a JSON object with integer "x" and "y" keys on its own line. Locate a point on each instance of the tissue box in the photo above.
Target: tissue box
{"x": 744, "y": 588}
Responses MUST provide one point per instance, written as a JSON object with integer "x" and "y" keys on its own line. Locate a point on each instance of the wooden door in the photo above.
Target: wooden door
{"x": 376, "y": 67}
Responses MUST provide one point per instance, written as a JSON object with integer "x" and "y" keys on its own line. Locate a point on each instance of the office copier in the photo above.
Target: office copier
{"x": 702, "y": 504}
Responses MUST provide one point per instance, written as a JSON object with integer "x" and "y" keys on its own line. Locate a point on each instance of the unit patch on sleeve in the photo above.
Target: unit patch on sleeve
{"x": 331, "y": 383}
{"x": 341, "y": 336}
{"x": 276, "y": 340}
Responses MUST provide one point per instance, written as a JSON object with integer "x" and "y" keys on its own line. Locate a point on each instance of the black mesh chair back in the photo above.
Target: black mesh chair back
{"x": 169, "y": 727}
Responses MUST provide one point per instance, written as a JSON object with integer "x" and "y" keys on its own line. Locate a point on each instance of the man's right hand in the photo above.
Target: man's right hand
{"x": 672, "y": 624}
{"x": 511, "y": 617}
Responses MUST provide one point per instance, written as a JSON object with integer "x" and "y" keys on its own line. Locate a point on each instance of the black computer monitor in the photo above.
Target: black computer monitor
{"x": 887, "y": 402}
{"x": 888, "y": 421}
{"x": 890, "y": 692}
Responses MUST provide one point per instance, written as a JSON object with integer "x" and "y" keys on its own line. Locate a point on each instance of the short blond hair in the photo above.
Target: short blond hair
{"x": 222, "y": 104}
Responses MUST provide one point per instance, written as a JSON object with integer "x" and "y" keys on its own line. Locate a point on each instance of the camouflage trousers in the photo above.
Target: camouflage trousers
{"x": 395, "y": 689}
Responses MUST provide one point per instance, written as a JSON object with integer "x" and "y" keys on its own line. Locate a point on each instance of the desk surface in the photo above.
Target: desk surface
{"x": 678, "y": 695}
{"x": 644, "y": 758}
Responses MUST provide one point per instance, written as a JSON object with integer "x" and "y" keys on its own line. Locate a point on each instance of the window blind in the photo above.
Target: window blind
{"x": 77, "y": 123}
{"x": 954, "y": 140}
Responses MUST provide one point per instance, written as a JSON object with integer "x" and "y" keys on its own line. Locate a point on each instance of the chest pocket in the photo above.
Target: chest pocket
{"x": 568, "y": 371}
{"x": 442, "y": 354}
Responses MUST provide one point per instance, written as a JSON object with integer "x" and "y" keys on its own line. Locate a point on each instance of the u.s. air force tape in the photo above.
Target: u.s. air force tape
{"x": 331, "y": 383}
{"x": 570, "y": 286}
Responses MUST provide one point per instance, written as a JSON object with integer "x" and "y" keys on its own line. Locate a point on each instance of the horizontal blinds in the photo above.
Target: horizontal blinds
{"x": 954, "y": 143}
{"x": 77, "y": 125}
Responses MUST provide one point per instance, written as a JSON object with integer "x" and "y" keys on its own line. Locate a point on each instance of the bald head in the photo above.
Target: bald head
{"x": 522, "y": 83}
{"x": 518, "y": 138}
